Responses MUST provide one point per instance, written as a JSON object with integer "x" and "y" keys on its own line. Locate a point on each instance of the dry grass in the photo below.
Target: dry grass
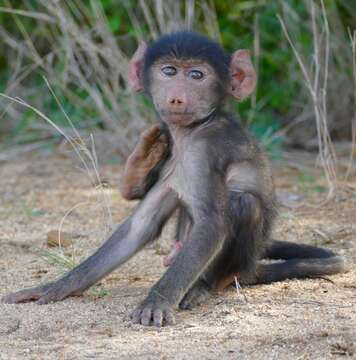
{"x": 92, "y": 59}
{"x": 316, "y": 80}
{"x": 353, "y": 126}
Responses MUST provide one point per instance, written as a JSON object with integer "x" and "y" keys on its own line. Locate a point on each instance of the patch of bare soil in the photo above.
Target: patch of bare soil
{"x": 295, "y": 319}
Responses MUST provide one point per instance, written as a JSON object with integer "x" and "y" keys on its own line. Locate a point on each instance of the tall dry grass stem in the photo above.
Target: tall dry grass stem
{"x": 316, "y": 80}
{"x": 352, "y": 36}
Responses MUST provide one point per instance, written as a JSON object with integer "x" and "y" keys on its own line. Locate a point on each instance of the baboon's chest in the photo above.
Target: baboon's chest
{"x": 183, "y": 174}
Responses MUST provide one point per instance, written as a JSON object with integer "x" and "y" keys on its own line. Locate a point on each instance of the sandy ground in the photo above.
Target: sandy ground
{"x": 296, "y": 319}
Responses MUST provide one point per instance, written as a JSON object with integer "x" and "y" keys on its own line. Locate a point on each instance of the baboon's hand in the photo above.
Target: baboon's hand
{"x": 152, "y": 147}
{"x": 153, "y": 311}
{"x": 31, "y": 294}
{"x": 43, "y": 294}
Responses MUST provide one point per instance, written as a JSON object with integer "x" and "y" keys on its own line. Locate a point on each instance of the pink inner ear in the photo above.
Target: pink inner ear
{"x": 239, "y": 75}
{"x": 243, "y": 78}
{"x": 134, "y": 75}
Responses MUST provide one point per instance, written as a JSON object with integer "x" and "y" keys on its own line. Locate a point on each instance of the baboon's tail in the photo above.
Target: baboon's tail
{"x": 285, "y": 250}
{"x": 299, "y": 261}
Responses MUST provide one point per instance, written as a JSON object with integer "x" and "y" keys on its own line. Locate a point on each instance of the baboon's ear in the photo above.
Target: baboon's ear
{"x": 135, "y": 66}
{"x": 243, "y": 75}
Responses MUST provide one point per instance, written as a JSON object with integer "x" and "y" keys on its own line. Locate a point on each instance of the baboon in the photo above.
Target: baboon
{"x": 200, "y": 161}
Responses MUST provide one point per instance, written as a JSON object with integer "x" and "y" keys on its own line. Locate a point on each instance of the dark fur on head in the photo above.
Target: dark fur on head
{"x": 188, "y": 45}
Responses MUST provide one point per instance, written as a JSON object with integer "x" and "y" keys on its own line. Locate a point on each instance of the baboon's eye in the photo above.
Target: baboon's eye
{"x": 169, "y": 70}
{"x": 196, "y": 74}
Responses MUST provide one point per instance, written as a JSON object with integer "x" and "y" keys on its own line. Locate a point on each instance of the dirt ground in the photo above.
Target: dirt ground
{"x": 296, "y": 319}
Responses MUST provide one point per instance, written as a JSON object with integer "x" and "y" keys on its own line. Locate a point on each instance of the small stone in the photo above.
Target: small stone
{"x": 56, "y": 238}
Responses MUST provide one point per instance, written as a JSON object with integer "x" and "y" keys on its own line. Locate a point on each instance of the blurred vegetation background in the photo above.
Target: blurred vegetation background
{"x": 82, "y": 48}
